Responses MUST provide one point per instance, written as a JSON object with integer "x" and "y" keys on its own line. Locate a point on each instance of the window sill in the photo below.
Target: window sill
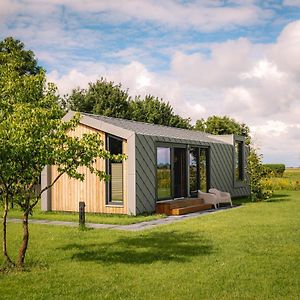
{"x": 114, "y": 205}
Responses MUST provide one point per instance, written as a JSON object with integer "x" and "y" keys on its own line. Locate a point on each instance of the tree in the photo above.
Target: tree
{"x": 109, "y": 99}
{"x": 103, "y": 98}
{"x": 156, "y": 111}
{"x": 23, "y": 61}
{"x": 32, "y": 136}
{"x": 223, "y": 125}
{"x": 255, "y": 170}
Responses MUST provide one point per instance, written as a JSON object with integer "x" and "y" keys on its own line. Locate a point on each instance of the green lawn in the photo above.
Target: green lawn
{"x": 90, "y": 217}
{"x": 252, "y": 252}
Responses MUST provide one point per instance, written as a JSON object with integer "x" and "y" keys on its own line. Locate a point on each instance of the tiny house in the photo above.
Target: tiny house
{"x": 163, "y": 163}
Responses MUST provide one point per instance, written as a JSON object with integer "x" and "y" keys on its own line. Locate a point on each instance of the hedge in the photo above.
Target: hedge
{"x": 277, "y": 169}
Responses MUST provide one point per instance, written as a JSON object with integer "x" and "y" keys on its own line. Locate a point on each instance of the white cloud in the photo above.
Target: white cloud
{"x": 73, "y": 79}
{"x": 279, "y": 141}
{"x": 201, "y": 15}
{"x": 222, "y": 68}
{"x": 291, "y": 3}
{"x": 272, "y": 128}
{"x": 285, "y": 52}
{"x": 258, "y": 84}
{"x": 263, "y": 70}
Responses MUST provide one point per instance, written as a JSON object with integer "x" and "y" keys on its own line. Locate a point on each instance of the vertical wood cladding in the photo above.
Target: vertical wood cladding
{"x": 67, "y": 193}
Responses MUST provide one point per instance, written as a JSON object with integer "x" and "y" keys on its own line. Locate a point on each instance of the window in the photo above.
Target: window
{"x": 194, "y": 178}
{"x": 239, "y": 160}
{"x": 163, "y": 173}
{"x": 115, "y": 171}
{"x": 198, "y": 170}
{"x": 203, "y": 169}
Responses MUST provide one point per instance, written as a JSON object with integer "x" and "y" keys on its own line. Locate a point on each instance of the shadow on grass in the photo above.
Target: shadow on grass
{"x": 241, "y": 200}
{"x": 274, "y": 198}
{"x": 144, "y": 249}
{"x": 278, "y": 198}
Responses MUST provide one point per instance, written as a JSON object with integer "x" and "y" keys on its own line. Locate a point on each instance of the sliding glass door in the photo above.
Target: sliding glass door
{"x": 198, "y": 170}
{"x": 180, "y": 174}
{"x": 174, "y": 164}
{"x": 193, "y": 171}
{"x": 203, "y": 169}
{"x": 164, "y": 187}
{"x": 171, "y": 172}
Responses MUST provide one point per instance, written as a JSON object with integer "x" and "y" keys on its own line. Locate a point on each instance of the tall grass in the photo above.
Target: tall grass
{"x": 289, "y": 181}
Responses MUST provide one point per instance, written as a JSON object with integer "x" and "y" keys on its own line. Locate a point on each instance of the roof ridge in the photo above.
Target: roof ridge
{"x": 152, "y": 124}
{"x": 171, "y": 130}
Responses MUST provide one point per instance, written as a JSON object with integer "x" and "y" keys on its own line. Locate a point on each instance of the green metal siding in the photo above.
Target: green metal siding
{"x": 221, "y": 169}
{"x": 145, "y": 173}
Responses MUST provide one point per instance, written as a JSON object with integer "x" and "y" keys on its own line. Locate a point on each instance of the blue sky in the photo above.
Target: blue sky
{"x": 236, "y": 58}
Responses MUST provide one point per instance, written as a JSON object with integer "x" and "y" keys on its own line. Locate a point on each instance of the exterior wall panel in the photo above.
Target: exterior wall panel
{"x": 67, "y": 193}
{"x": 221, "y": 169}
{"x": 139, "y": 173}
{"x": 145, "y": 173}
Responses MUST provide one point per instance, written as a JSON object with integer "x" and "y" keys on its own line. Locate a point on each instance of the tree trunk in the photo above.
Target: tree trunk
{"x": 23, "y": 248}
{"x": 4, "y": 222}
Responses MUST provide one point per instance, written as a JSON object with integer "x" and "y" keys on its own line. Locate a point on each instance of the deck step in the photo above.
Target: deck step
{"x": 164, "y": 207}
{"x": 185, "y": 202}
{"x": 189, "y": 209}
{"x": 181, "y": 206}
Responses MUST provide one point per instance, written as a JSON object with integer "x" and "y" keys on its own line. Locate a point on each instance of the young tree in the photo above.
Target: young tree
{"x": 32, "y": 136}
{"x": 14, "y": 61}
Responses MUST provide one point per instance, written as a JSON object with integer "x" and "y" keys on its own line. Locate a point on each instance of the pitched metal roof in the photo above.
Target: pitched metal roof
{"x": 157, "y": 130}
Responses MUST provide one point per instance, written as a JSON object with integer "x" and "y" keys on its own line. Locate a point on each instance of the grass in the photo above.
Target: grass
{"x": 289, "y": 181}
{"x": 89, "y": 217}
{"x": 252, "y": 252}
{"x": 292, "y": 173}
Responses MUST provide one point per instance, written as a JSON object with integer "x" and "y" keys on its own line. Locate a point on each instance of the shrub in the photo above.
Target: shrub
{"x": 283, "y": 184}
{"x": 277, "y": 169}
{"x": 258, "y": 173}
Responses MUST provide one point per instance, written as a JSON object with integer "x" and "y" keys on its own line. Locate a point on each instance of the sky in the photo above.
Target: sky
{"x": 235, "y": 58}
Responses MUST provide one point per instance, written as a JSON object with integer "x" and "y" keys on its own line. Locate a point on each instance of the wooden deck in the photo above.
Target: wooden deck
{"x": 181, "y": 206}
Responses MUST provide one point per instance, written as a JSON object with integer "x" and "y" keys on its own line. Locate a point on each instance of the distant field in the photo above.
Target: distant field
{"x": 293, "y": 173}
{"x": 289, "y": 181}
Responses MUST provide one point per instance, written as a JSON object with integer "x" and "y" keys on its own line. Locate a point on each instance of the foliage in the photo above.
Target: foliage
{"x": 263, "y": 240}
{"x": 290, "y": 181}
{"x": 32, "y": 136}
{"x": 102, "y": 98}
{"x": 22, "y": 61}
{"x": 279, "y": 184}
{"x": 223, "y": 125}
{"x": 277, "y": 169}
{"x": 109, "y": 99}
{"x": 257, "y": 173}
{"x": 156, "y": 111}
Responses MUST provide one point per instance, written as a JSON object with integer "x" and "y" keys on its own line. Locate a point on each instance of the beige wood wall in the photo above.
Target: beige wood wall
{"x": 67, "y": 193}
